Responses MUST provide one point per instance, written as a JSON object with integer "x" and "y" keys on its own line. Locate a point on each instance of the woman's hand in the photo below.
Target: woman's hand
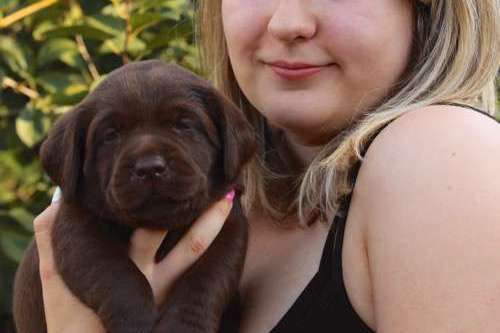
{"x": 162, "y": 275}
{"x": 65, "y": 313}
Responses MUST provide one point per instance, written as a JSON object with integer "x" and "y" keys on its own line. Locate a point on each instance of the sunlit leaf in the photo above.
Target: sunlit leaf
{"x": 110, "y": 10}
{"x": 110, "y": 25}
{"x": 12, "y": 54}
{"x": 116, "y": 45}
{"x": 64, "y": 88}
{"x": 60, "y": 49}
{"x": 6, "y": 196}
{"x": 41, "y": 28}
{"x": 31, "y": 126}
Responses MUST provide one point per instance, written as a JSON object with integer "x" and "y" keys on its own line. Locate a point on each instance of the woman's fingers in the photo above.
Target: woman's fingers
{"x": 63, "y": 311}
{"x": 143, "y": 246}
{"x": 190, "y": 247}
{"x": 201, "y": 234}
{"x": 42, "y": 226}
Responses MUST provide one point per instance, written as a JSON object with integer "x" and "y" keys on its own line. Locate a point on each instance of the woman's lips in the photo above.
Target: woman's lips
{"x": 296, "y": 71}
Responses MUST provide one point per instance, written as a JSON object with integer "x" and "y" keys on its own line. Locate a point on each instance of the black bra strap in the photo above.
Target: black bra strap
{"x": 470, "y": 108}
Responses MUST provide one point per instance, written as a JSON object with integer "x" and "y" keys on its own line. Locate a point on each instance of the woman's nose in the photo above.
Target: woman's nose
{"x": 292, "y": 21}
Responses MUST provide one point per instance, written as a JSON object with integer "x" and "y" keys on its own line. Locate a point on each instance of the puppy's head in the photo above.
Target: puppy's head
{"x": 151, "y": 146}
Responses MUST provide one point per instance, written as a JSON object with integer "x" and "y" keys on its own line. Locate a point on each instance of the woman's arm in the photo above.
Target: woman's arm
{"x": 430, "y": 192}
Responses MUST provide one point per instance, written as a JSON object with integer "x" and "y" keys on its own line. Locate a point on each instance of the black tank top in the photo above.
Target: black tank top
{"x": 323, "y": 306}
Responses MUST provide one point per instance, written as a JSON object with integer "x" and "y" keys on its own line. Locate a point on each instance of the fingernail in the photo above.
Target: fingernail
{"x": 230, "y": 196}
{"x": 57, "y": 195}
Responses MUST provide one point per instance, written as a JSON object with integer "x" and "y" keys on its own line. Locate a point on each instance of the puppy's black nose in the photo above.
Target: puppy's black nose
{"x": 153, "y": 166}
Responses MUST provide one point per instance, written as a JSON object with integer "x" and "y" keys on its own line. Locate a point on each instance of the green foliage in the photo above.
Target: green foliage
{"x": 49, "y": 60}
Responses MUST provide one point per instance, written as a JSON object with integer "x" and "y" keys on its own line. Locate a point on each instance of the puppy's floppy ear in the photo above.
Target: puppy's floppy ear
{"x": 62, "y": 153}
{"x": 234, "y": 130}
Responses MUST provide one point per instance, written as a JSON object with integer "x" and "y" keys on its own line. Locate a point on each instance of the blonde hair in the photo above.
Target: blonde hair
{"x": 455, "y": 59}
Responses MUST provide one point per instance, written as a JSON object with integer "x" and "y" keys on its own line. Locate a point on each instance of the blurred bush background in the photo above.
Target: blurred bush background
{"x": 52, "y": 53}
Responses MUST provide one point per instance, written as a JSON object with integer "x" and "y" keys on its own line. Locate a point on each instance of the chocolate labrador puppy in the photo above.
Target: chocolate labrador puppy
{"x": 151, "y": 147}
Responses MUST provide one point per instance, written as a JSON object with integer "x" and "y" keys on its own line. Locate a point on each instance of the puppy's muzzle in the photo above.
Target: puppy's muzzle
{"x": 150, "y": 168}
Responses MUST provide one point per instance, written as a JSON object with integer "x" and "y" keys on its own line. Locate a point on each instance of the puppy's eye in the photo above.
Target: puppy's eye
{"x": 183, "y": 124}
{"x": 111, "y": 135}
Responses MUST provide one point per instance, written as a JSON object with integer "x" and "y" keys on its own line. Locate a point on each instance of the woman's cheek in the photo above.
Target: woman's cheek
{"x": 242, "y": 21}
{"x": 244, "y": 27}
{"x": 371, "y": 57}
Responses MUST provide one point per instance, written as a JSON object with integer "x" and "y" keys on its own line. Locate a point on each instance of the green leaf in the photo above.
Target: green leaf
{"x": 110, "y": 25}
{"x": 178, "y": 50}
{"x": 15, "y": 55}
{"x": 13, "y": 244}
{"x": 110, "y": 10}
{"x": 6, "y": 196}
{"x": 53, "y": 82}
{"x": 149, "y": 5}
{"x": 8, "y": 135}
{"x": 9, "y": 166}
{"x": 65, "y": 89}
{"x": 70, "y": 31}
{"x": 60, "y": 49}
{"x": 115, "y": 45}
{"x": 141, "y": 21}
{"x": 41, "y": 28}
{"x": 169, "y": 33}
{"x": 31, "y": 126}
{"x": 7, "y": 187}
{"x": 23, "y": 217}
{"x": 12, "y": 54}
{"x": 4, "y": 112}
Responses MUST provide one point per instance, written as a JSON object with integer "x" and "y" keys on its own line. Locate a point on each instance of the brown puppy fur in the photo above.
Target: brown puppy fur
{"x": 152, "y": 147}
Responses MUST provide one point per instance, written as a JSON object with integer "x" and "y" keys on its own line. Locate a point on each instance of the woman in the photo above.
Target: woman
{"x": 415, "y": 238}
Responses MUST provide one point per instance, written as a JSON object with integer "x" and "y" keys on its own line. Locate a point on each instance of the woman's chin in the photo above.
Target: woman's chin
{"x": 303, "y": 132}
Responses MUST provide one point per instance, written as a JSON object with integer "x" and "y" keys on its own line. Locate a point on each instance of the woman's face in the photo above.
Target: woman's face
{"x": 309, "y": 66}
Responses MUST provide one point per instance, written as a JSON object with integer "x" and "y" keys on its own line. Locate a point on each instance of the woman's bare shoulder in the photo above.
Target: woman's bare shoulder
{"x": 428, "y": 196}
